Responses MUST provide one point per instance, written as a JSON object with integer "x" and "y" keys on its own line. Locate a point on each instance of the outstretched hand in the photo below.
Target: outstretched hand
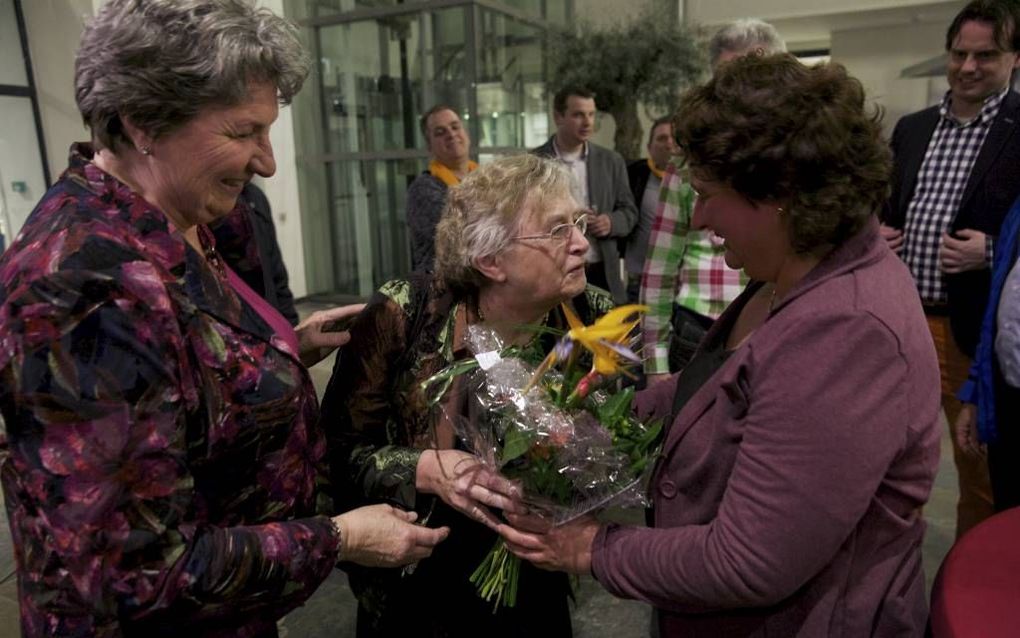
{"x": 315, "y": 341}
{"x": 384, "y": 536}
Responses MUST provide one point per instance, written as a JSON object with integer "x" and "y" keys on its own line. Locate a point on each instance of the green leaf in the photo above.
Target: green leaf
{"x": 617, "y": 406}
{"x": 515, "y": 444}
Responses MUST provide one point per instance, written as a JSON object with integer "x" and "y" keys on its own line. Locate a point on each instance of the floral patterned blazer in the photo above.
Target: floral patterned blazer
{"x": 162, "y": 462}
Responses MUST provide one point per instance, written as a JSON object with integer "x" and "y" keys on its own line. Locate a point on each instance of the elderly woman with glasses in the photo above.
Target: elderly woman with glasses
{"x": 803, "y": 436}
{"x": 162, "y": 461}
{"x": 509, "y": 250}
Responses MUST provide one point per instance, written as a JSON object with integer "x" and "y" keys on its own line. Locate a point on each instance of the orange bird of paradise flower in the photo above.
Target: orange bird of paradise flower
{"x": 606, "y": 339}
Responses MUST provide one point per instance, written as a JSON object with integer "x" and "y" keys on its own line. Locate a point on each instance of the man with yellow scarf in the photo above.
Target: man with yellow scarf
{"x": 450, "y": 145}
{"x": 645, "y": 177}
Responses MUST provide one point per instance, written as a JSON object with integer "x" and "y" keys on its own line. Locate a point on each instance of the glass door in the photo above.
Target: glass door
{"x": 23, "y": 174}
{"x": 378, "y": 75}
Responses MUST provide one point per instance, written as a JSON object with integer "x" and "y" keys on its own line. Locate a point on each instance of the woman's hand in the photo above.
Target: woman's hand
{"x": 467, "y": 485}
{"x": 565, "y": 548}
{"x": 384, "y": 536}
{"x": 315, "y": 340}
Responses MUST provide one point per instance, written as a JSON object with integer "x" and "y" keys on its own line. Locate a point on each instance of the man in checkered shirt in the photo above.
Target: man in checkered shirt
{"x": 686, "y": 282}
{"x": 956, "y": 172}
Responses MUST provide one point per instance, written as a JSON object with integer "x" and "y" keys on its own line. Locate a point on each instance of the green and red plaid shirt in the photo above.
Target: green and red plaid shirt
{"x": 684, "y": 265}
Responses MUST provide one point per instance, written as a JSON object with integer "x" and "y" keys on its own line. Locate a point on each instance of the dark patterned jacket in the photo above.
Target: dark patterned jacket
{"x": 162, "y": 461}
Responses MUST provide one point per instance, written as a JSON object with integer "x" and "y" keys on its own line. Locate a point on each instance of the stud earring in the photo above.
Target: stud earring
{"x": 146, "y": 150}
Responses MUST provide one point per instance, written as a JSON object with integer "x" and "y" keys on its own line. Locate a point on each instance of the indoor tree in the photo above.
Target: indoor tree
{"x": 650, "y": 60}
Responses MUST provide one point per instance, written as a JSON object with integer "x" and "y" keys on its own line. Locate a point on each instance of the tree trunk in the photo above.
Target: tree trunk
{"x": 628, "y": 130}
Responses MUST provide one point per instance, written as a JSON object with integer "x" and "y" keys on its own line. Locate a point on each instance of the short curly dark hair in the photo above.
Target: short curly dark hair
{"x": 772, "y": 128}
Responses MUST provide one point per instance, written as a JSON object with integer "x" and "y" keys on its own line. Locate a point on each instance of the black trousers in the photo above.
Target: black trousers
{"x": 1004, "y": 453}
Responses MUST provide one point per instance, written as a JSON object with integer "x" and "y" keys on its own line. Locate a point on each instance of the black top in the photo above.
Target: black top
{"x": 709, "y": 358}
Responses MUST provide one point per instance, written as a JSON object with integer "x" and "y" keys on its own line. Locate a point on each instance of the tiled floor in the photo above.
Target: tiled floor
{"x": 330, "y": 612}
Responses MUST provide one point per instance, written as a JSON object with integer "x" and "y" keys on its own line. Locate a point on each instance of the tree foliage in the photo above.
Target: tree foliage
{"x": 649, "y": 60}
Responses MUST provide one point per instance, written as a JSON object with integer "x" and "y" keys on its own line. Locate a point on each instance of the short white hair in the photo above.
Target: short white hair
{"x": 745, "y": 34}
{"x": 485, "y": 211}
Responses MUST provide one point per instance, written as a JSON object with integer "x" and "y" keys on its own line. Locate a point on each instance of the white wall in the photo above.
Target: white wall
{"x": 54, "y": 28}
{"x": 607, "y": 13}
{"x": 876, "y": 57}
{"x": 715, "y": 12}
{"x": 282, "y": 190}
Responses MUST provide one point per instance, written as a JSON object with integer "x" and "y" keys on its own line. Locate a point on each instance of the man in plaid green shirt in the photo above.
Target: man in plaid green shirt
{"x": 684, "y": 266}
{"x": 686, "y": 281}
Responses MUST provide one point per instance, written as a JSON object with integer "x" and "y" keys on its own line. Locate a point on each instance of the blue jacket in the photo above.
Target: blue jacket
{"x": 980, "y": 387}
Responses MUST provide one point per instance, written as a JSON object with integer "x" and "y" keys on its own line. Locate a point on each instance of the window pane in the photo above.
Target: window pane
{"x": 12, "y": 71}
{"x": 531, "y": 8}
{"x": 321, "y": 8}
{"x": 511, "y": 100}
{"x": 373, "y": 72}
{"x": 370, "y": 242}
{"x": 21, "y": 174}
{"x": 558, "y": 11}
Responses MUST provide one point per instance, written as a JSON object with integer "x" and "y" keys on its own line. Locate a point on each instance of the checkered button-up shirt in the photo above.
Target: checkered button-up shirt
{"x": 684, "y": 265}
{"x": 945, "y": 169}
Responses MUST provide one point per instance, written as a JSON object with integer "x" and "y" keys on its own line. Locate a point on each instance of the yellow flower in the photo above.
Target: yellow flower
{"x": 606, "y": 339}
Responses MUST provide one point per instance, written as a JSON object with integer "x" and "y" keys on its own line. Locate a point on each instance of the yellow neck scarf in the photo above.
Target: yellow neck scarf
{"x": 658, "y": 173}
{"x": 445, "y": 175}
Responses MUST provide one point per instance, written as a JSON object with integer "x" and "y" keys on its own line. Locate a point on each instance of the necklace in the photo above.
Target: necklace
{"x": 772, "y": 299}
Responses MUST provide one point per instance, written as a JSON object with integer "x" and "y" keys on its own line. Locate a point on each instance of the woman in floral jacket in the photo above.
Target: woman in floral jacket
{"x": 509, "y": 249}
{"x": 162, "y": 463}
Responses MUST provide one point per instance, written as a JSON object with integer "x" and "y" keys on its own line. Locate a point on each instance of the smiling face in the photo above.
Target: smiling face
{"x": 544, "y": 272}
{"x": 977, "y": 67}
{"x": 447, "y": 138}
{"x": 196, "y": 172}
{"x": 576, "y": 124}
{"x": 754, "y": 236}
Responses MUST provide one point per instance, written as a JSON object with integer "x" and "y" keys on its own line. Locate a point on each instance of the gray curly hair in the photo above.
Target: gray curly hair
{"x": 485, "y": 211}
{"x": 160, "y": 62}
{"x": 743, "y": 35}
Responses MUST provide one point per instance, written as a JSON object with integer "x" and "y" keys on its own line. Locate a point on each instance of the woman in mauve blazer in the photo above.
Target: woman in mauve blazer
{"x": 803, "y": 436}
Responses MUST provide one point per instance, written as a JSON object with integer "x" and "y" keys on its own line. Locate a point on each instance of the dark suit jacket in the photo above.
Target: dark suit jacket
{"x": 609, "y": 193}
{"x": 993, "y": 185}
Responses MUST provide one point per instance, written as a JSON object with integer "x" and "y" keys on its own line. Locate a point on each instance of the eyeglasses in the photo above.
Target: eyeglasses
{"x": 561, "y": 232}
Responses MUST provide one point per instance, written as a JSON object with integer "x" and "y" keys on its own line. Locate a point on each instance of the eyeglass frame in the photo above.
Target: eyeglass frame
{"x": 581, "y": 224}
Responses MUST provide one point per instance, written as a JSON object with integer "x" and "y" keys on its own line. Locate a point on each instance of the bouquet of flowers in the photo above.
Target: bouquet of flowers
{"x": 562, "y": 431}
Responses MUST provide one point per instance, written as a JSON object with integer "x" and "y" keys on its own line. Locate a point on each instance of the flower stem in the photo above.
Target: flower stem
{"x": 496, "y": 577}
